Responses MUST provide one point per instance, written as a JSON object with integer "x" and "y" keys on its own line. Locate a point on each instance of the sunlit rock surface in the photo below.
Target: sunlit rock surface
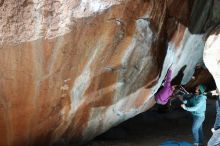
{"x": 72, "y": 69}
{"x": 212, "y": 54}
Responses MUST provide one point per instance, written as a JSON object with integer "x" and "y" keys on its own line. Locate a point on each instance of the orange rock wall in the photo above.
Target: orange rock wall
{"x": 70, "y": 70}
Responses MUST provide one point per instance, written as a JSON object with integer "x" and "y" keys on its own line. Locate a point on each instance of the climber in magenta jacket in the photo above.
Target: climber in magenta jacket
{"x": 162, "y": 96}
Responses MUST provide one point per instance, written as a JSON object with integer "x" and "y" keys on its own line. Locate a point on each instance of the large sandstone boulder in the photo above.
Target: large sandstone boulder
{"x": 72, "y": 69}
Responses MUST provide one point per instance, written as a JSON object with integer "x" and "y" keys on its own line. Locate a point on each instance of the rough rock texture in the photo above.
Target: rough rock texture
{"x": 71, "y": 69}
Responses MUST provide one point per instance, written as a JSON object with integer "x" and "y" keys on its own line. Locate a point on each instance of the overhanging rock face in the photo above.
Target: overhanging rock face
{"x": 71, "y": 69}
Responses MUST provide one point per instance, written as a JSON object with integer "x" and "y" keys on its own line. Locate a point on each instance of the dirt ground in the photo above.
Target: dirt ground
{"x": 152, "y": 128}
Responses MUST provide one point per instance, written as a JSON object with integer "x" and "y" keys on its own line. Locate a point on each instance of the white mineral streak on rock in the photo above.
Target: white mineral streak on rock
{"x": 96, "y": 118}
{"x": 143, "y": 36}
{"x": 121, "y": 110}
{"x": 212, "y": 57}
{"x": 188, "y": 53}
{"x": 191, "y": 54}
{"x": 23, "y": 21}
{"x": 141, "y": 43}
{"x": 81, "y": 84}
{"x": 97, "y": 114}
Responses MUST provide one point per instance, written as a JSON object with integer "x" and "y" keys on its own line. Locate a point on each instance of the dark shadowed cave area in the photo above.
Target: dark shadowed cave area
{"x": 152, "y": 128}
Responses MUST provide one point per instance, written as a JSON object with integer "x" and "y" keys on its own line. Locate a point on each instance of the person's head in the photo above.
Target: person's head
{"x": 200, "y": 89}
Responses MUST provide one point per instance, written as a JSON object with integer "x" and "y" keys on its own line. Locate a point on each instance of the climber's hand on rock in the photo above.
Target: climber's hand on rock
{"x": 214, "y": 93}
{"x": 183, "y": 106}
{"x": 213, "y": 130}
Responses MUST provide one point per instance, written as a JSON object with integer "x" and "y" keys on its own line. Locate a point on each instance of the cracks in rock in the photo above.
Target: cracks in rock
{"x": 136, "y": 67}
{"x": 120, "y": 32}
{"x": 119, "y": 20}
